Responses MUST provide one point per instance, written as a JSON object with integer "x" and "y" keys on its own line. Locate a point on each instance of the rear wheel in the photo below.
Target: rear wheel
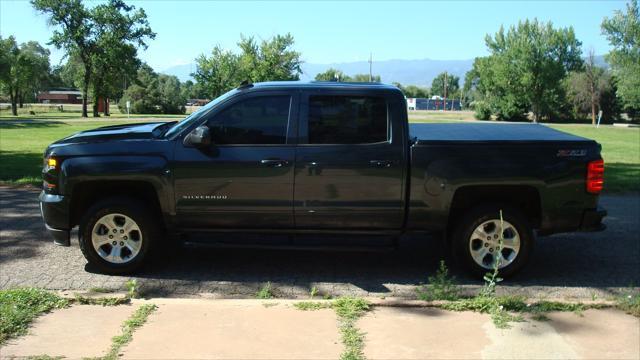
{"x": 476, "y": 240}
{"x": 117, "y": 235}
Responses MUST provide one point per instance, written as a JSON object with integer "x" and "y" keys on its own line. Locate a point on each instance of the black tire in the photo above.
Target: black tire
{"x": 150, "y": 229}
{"x": 465, "y": 226}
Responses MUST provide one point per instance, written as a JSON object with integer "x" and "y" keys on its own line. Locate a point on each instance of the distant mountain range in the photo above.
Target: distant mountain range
{"x": 406, "y": 72}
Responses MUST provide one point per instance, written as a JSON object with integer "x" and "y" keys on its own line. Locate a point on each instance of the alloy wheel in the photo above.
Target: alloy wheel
{"x": 116, "y": 238}
{"x": 485, "y": 247}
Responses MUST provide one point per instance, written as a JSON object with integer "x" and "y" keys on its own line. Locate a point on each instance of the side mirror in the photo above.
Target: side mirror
{"x": 199, "y": 137}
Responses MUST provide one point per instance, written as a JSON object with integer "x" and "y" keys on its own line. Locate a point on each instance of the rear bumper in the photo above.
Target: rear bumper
{"x": 592, "y": 220}
{"x": 54, "y": 210}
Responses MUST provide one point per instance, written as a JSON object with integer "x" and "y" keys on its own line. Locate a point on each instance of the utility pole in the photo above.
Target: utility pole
{"x": 444, "y": 105}
{"x": 370, "y": 67}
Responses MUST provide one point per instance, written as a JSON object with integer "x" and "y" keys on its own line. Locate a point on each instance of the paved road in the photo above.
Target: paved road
{"x": 565, "y": 266}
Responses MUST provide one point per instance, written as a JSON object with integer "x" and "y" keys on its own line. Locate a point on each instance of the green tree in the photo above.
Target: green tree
{"x": 110, "y": 71}
{"x": 471, "y": 89}
{"x": 590, "y": 90}
{"x": 9, "y": 70}
{"x": 57, "y": 77}
{"x": 36, "y": 74}
{"x": 332, "y": 74}
{"x": 272, "y": 60}
{"x": 171, "y": 99}
{"x": 489, "y": 96}
{"x": 192, "y": 90}
{"x": 365, "y": 78}
{"x": 525, "y": 69}
{"x": 23, "y": 69}
{"x": 89, "y": 33}
{"x": 142, "y": 93}
{"x": 218, "y": 73}
{"x": 413, "y": 91}
{"x": 116, "y": 57}
{"x": 623, "y": 33}
{"x": 71, "y": 73}
{"x": 153, "y": 93}
{"x": 452, "y": 85}
{"x": 76, "y": 34}
{"x": 188, "y": 90}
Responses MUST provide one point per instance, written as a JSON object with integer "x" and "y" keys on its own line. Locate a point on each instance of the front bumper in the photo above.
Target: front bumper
{"x": 54, "y": 210}
{"x": 592, "y": 220}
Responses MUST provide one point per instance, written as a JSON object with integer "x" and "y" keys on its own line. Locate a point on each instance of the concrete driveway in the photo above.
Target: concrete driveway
{"x": 581, "y": 265}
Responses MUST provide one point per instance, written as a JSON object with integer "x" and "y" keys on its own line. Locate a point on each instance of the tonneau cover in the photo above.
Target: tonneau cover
{"x": 488, "y": 132}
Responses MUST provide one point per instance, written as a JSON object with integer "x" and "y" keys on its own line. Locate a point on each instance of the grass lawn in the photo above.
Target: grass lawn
{"x": 22, "y": 144}
{"x": 621, "y": 153}
{"x": 422, "y": 116}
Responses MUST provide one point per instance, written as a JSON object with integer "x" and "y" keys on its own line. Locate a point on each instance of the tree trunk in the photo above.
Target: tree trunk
{"x": 14, "y": 105}
{"x": 85, "y": 91}
{"x": 106, "y": 107}
{"x": 96, "y": 101}
{"x": 593, "y": 103}
{"x": 21, "y": 100}
{"x": 84, "y": 99}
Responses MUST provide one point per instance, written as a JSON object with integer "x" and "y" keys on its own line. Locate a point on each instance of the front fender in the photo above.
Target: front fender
{"x": 152, "y": 169}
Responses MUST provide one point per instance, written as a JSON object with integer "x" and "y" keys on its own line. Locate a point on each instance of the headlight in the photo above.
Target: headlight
{"x": 50, "y": 171}
{"x": 51, "y": 164}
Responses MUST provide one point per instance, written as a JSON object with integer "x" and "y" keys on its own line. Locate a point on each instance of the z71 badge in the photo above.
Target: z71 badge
{"x": 571, "y": 153}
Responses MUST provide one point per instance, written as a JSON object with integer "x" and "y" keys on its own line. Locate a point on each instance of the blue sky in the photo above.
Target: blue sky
{"x": 328, "y": 32}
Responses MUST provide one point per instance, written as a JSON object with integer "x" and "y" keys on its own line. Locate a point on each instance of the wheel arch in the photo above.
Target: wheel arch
{"x": 87, "y": 193}
{"x": 525, "y": 198}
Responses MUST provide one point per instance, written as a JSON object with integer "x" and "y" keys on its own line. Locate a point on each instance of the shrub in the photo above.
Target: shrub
{"x": 482, "y": 110}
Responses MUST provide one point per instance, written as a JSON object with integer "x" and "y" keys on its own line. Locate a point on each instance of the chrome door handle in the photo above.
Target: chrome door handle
{"x": 274, "y": 162}
{"x": 381, "y": 163}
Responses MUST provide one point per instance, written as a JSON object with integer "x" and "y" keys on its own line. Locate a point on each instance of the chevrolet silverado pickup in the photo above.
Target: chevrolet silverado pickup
{"x": 311, "y": 163}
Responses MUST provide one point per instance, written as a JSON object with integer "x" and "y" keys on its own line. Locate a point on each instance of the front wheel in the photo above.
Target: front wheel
{"x": 478, "y": 235}
{"x": 117, "y": 235}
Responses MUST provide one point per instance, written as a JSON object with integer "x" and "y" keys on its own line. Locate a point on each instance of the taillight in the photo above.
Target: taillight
{"x": 595, "y": 176}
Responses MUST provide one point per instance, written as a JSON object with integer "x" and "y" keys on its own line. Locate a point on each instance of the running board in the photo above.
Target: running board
{"x": 292, "y": 242}
{"x": 349, "y": 248}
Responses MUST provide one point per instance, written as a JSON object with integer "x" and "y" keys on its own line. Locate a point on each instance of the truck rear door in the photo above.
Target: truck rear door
{"x": 350, "y": 161}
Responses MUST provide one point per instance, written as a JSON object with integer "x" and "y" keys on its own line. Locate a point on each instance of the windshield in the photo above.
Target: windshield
{"x": 186, "y": 122}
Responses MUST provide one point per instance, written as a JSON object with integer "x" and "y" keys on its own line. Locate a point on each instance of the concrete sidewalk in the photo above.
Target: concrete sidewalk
{"x": 274, "y": 329}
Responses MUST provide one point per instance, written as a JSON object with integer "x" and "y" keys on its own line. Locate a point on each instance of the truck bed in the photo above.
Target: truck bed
{"x": 489, "y": 132}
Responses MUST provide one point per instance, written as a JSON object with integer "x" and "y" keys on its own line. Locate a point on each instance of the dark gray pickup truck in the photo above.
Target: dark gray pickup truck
{"x": 325, "y": 164}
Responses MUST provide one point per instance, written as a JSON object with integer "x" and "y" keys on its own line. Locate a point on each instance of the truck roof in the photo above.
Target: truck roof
{"x": 321, "y": 85}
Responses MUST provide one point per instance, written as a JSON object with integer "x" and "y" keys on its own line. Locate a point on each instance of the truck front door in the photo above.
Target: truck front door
{"x": 350, "y": 162}
{"x": 245, "y": 178}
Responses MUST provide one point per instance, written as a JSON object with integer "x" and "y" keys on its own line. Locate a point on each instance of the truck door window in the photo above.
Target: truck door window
{"x": 258, "y": 120}
{"x": 347, "y": 120}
